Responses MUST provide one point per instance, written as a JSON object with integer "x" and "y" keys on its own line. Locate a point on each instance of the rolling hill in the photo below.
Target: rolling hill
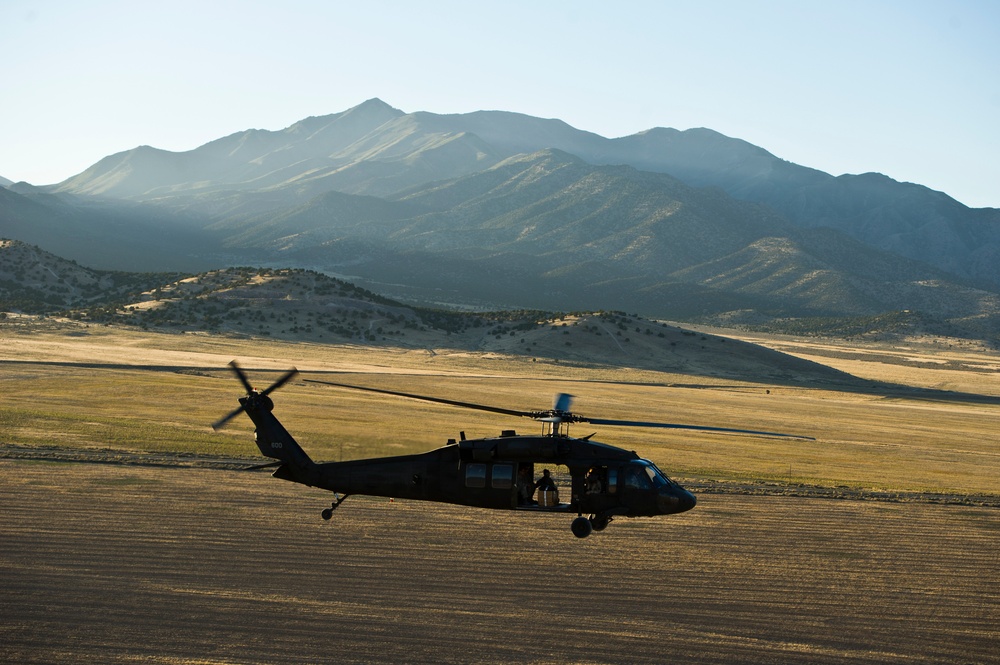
{"x": 37, "y": 282}
{"x": 306, "y": 306}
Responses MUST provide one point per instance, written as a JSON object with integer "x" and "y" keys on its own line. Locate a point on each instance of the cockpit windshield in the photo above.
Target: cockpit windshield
{"x": 658, "y": 478}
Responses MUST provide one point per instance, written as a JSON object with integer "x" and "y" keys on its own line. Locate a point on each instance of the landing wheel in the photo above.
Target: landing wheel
{"x": 328, "y": 512}
{"x": 581, "y": 527}
{"x": 600, "y": 522}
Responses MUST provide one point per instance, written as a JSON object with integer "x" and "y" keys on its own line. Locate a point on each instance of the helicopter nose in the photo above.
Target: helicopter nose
{"x": 676, "y": 500}
{"x": 687, "y": 501}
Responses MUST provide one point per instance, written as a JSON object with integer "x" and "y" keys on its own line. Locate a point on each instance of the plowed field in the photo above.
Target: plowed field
{"x": 118, "y": 564}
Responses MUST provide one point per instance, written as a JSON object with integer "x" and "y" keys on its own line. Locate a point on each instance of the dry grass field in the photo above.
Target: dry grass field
{"x": 179, "y": 563}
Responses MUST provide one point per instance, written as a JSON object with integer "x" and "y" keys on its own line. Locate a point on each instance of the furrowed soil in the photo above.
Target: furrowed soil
{"x": 128, "y": 536}
{"x": 118, "y": 564}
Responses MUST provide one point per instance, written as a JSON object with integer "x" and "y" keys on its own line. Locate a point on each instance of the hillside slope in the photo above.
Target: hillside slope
{"x": 36, "y": 281}
{"x": 306, "y": 306}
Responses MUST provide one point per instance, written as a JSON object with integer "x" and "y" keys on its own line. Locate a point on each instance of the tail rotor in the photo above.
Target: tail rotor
{"x": 254, "y": 399}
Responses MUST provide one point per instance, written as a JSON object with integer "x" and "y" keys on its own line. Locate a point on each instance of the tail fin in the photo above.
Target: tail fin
{"x": 271, "y": 437}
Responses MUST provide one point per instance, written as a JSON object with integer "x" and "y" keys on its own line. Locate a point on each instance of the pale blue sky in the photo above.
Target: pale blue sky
{"x": 908, "y": 88}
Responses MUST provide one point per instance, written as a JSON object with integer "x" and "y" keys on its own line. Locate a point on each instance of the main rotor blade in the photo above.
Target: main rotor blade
{"x": 438, "y": 400}
{"x": 562, "y": 402}
{"x": 703, "y": 428}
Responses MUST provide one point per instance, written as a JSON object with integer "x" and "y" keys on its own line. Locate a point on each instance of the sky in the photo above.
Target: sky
{"x": 907, "y": 88}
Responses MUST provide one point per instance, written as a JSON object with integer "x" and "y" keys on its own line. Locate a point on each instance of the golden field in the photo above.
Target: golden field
{"x": 931, "y": 424}
{"x": 162, "y": 560}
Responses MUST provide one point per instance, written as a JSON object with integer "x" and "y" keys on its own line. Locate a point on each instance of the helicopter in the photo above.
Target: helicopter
{"x": 606, "y": 482}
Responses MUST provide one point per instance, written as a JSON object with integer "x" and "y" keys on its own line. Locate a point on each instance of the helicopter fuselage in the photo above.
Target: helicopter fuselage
{"x": 499, "y": 473}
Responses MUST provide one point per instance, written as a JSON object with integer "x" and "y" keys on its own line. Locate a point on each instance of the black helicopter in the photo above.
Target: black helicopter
{"x": 606, "y": 482}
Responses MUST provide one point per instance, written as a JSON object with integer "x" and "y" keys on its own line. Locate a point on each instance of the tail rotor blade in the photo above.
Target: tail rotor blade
{"x": 241, "y": 376}
{"x": 218, "y": 424}
{"x": 282, "y": 381}
{"x": 253, "y": 396}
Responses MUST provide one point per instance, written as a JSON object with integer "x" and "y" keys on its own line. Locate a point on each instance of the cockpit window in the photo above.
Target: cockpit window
{"x": 643, "y": 474}
{"x": 636, "y": 477}
{"x": 657, "y": 477}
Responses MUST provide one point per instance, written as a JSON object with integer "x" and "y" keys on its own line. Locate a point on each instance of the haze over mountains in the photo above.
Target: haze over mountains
{"x": 501, "y": 209}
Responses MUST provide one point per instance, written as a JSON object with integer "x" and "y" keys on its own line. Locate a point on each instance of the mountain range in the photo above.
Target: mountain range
{"x": 501, "y": 209}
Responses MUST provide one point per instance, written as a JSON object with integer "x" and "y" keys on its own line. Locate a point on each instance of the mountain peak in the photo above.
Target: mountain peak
{"x": 355, "y": 121}
{"x": 375, "y": 104}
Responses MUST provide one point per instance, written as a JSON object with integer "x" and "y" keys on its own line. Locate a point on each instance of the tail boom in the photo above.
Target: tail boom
{"x": 274, "y": 441}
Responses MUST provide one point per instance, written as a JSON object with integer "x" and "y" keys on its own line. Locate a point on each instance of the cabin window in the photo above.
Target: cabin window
{"x": 503, "y": 476}
{"x": 597, "y": 480}
{"x": 612, "y": 481}
{"x": 475, "y": 475}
